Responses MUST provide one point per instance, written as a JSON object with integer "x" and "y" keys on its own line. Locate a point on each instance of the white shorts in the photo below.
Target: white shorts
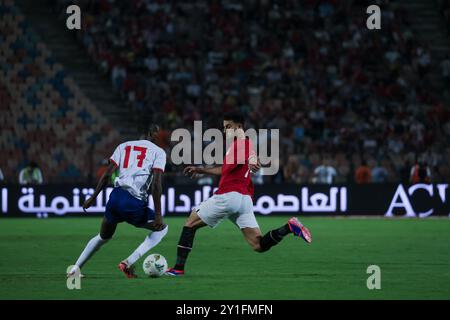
{"x": 232, "y": 205}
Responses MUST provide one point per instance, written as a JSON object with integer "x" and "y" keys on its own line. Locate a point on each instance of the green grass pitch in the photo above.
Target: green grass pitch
{"x": 414, "y": 257}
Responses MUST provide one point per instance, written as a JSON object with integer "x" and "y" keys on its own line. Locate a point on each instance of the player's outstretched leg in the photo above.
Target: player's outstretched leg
{"x": 275, "y": 236}
{"x": 299, "y": 230}
{"x": 185, "y": 243}
{"x": 264, "y": 243}
{"x": 106, "y": 232}
{"x": 92, "y": 246}
{"x": 155, "y": 237}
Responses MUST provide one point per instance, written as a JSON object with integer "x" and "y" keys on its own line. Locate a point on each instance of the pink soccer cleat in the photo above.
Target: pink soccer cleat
{"x": 174, "y": 272}
{"x": 299, "y": 230}
{"x": 128, "y": 271}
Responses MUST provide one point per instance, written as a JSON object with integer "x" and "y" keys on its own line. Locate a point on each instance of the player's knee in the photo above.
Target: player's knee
{"x": 189, "y": 223}
{"x": 105, "y": 237}
{"x": 256, "y": 246}
{"x": 193, "y": 221}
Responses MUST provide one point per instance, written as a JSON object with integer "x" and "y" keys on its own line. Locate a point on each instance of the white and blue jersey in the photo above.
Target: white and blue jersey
{"x": 136, "y": 161}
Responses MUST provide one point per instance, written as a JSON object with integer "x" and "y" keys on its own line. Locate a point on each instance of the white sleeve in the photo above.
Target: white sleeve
{"x": 40, "y": 178}
{"x": 21, "y": 177}
{"x": 160, "y": 161}
{"x": 115, "y": 158}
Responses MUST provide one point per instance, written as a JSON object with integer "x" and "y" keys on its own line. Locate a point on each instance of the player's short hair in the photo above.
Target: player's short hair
{"x": 153, "y": 128}
{"x": 236, "y": 117}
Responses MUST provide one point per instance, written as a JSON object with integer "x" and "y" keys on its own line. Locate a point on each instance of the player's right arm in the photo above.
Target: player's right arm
{"x": 101, "y": 184}
{"x": 194, "y": 172}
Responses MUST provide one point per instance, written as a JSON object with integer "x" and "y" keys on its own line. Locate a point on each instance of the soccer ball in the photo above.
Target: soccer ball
{"x": 155, "y": 265}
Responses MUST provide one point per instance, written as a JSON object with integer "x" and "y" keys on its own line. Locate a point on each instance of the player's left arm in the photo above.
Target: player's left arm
{"x": 156, "y": 188}
{"x": 195, "y": 172}
{"x": 101, "y": 184}
{"x": 156, "y": 194}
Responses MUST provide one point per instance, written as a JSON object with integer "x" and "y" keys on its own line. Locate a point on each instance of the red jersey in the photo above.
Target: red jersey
{"x": 236, "y": 175}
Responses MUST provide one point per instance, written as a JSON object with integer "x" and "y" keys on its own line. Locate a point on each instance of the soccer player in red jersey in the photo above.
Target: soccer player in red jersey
{"x": 233, "y": 199}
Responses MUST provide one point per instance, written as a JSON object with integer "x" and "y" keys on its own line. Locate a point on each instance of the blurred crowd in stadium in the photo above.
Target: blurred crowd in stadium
{"x": 444, "y": 6}
{"x": 45, "y": 120}
{"x": 339, "y": 93}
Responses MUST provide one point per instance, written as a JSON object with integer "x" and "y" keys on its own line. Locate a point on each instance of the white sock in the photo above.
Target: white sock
{"x": 150, "y": 241}
{"x": 93, "y": 245}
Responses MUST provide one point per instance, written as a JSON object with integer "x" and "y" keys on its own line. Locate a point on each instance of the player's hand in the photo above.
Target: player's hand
{"x": 192, "y": 172}
{"x": 88, "y": 203}
{"x": 254, "y": 166}
{"x": 158, "y": 224}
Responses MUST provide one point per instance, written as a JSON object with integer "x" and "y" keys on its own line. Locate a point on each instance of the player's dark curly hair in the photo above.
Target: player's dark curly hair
{"x": 236, "y": 117}
{"x": 153, "y": 128}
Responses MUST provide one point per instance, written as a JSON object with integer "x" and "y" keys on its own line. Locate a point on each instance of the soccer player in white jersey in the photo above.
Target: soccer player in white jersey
{"x": 324, "y": 173}
{"x": 141, "y": 164}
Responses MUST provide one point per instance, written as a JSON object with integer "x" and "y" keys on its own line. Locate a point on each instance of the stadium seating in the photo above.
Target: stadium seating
{"x": 444, "y": 6}
{"x": 44, "y": 116}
